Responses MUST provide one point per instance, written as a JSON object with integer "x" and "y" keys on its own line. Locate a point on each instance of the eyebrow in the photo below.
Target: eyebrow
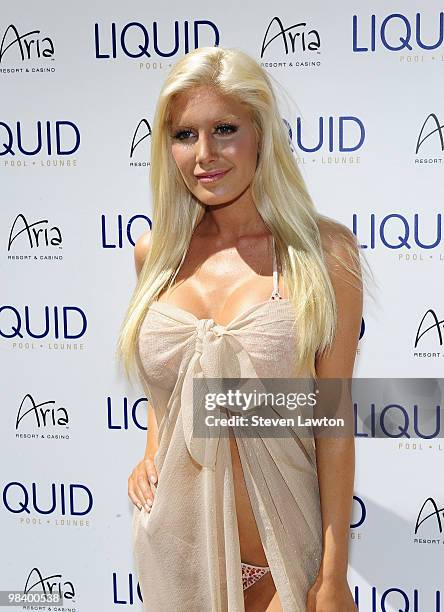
{"x": 221, "y": 119}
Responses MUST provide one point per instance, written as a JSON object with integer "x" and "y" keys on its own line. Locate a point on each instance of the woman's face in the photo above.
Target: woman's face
{"x": 214, "y": 144}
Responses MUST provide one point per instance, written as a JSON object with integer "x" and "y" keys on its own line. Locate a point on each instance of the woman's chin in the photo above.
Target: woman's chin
{"x": 212, "y": 198}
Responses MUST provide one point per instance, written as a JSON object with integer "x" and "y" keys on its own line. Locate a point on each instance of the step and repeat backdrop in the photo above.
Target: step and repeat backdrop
{"x": 362, "y": 90}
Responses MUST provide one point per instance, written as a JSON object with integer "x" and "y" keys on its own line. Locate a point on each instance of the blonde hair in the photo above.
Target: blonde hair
{"x": 278, "y": 191}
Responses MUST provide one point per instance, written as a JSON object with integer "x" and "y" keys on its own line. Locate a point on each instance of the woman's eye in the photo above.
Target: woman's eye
{"x": 182, "y": 134}
{"x": 226, "y": 128}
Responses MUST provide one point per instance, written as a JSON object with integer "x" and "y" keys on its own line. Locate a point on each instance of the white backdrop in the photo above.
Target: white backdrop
{"x": 76, "y": 106}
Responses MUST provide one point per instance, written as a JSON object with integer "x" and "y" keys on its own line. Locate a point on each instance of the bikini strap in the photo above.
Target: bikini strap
{"x": 275, "y": 295}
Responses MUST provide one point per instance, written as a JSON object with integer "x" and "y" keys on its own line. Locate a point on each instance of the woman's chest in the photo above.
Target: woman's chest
{"x": 263, "y": 344}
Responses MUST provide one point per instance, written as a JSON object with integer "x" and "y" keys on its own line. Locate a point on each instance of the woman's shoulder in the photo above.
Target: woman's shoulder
{"x": 141, "y": 249}
{"x": 339, "y": 246}
{"x": 334, "y": 235}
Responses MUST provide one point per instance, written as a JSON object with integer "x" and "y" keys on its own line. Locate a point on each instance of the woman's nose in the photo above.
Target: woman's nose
{"x": 205, "y": 148}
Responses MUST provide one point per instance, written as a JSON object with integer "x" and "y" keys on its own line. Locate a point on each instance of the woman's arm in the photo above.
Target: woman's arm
{"x": 152, "y": 435}
{"x": 336, "y": 456}
{"x": 141, "y": 249}
{"x": 139, "y": 489}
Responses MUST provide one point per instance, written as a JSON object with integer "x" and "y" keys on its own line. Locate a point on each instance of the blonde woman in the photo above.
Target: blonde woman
{"x": 239, "y": 277}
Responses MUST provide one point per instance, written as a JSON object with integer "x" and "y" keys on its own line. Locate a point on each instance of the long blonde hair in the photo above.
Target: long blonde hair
{"x": 278, "y": 191}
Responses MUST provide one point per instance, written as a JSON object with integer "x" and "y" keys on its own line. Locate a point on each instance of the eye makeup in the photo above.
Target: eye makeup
{"x": 222, "y": 129}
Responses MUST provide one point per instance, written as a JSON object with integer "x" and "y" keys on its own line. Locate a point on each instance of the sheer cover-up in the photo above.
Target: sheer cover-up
{"x": 186, "y": 549}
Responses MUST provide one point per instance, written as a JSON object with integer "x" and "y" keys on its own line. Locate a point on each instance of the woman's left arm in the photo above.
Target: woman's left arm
{"x": 336, "y": 456}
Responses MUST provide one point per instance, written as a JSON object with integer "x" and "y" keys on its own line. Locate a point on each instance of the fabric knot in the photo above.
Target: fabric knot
{"x": 205, "y": 328}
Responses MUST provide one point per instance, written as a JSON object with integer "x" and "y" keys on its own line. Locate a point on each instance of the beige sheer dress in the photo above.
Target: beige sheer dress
{"x": 186, "y": 550}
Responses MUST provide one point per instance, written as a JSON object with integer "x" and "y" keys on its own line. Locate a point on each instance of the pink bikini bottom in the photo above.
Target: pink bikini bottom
{"x": 252, "y": 573}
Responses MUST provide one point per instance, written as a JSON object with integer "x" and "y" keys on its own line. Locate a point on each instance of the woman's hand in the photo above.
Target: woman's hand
{"x": 330, "y": 595}
{"x": 142, "y": 483}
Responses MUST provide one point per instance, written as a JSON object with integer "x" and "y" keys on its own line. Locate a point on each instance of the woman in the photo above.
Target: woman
{"x": 240, "y": 277}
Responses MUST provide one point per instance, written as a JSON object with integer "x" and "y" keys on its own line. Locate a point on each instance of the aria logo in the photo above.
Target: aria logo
{"x": 430, "y": 513}
{"x": 33, "y": 235}
{"x": 50, "y": 585}
{"x": 142, "y": 132}
{"x": 296, "y": 38}
{"x": 430, "y": 324}
{"x": 430, "y": 127}
{"x": 42, "y": 415}
{"x": 395, "y": 33}
{"x": 25, "y": 47}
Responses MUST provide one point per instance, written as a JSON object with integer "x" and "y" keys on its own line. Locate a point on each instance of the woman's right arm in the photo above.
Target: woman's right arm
{"x": 142, "y": 481}
{"x": 143, "y": 478}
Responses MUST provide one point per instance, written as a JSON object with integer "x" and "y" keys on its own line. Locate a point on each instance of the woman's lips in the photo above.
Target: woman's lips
{"x": 212, "y": 178}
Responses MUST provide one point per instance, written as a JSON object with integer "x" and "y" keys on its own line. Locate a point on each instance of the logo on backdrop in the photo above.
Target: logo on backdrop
{"x": 140, "y": 41}
{"x": 400, "y": 414}
{"x": 359, "y": 516}
{"x": 290, "y": 45}
{"x": 122, "y": 416}
{"x": 396, "y": 231}
{"x": 49, "y": 584}
{"x": 115, "y": 236}
{"x": 429, "y": 523}
{"x": 124, "y": 591}
{"x": 430, "y": 333}
{"x": 397, "y": 32}
{"x": 40, "y": 420}
{"x": 380, "y": 599}
{"x": 432, "y": 134}
{"x": 71, "y": 499}
{"x": 25, "y": 51}
{"x": 34, "y": 240}
{"x": 31, "y": 139}
{"x": 336, "y": 138}
{"x": 142, "y": 134}
{"x": 24, "y": 325}
{"x": 343, "y": 134}
{"x": 362, "y": 330}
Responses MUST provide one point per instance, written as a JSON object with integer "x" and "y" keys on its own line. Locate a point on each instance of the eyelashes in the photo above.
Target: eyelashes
{"x": 224, "y": 129}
